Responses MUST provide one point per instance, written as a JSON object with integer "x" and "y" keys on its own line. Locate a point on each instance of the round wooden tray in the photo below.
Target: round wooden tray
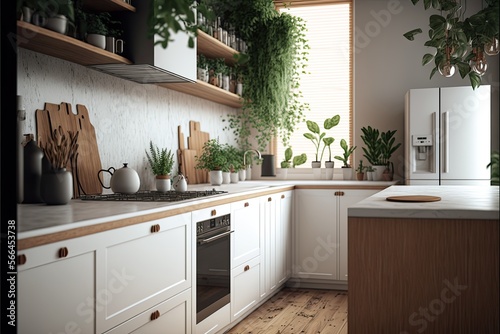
{"x": 413, "y": 198}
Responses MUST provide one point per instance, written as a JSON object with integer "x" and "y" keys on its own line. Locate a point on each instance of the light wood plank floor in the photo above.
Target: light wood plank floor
{"x": 298, "y": 311}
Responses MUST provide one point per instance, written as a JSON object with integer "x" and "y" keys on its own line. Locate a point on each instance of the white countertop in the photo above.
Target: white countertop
{"x": 457, "y": 202}
{"x": 40, "y": 219}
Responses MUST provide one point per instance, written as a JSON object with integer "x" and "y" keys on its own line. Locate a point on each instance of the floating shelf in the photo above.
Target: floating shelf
{"x": 213, "y": 48}
{"x": 35, "y": 38}
{"x": 108, "y": 5}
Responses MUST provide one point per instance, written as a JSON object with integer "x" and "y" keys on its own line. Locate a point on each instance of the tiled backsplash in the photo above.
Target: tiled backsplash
{"x": 125, "y": 115}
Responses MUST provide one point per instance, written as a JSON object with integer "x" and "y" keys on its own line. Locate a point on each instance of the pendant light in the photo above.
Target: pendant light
{"x": 491, "y": 48}
{"x": 478, "y": 64}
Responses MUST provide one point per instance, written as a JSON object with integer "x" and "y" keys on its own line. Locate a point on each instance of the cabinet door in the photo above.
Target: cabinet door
{"x": 142, "y": 266}
{"x": 172, "y": 316}
{"x": 268, "y": 241}
{"x": 347, "y": 198}
{"x": 245, "y": 287}
{"x": 245, "y": 241}
{"x": 316, "y": 243}
{"x": 57, "y": 295}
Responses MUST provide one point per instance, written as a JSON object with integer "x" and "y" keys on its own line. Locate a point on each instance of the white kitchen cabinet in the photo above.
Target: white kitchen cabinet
{"x": 320, "y": 233}
{"x": 245, "y": 287}
{"x": 245, "y": 240}
{"x": 275, "y": 239}
{"x": 142, "y": 266}
{"x": 172, "y": 316}
{"x": 56, "y": 287}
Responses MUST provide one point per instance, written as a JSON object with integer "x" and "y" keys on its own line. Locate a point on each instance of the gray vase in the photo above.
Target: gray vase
{"x": 56, "y": 186}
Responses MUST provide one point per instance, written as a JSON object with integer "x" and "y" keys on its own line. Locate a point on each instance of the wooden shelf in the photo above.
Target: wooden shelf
{"x": 35, "y": 38}
{"x": 213, "y": 48}
{"x": 108, "y": 5}
{"x": 207, "y": 91}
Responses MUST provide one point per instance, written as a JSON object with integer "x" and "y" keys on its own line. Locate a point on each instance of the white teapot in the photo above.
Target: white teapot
{"x": 124, "y": 180}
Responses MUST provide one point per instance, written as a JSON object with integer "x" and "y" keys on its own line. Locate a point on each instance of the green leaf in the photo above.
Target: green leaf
{"x": 312, "y": 126}
{"x": 410, "y": 35}
{"x": 328, "y": 140}
{"x": 434, "y": 70}
{"x": 427, "y": 59}
{"x": 331, "y": 122}
{"x": 288, "y": 154}
{"x": 463, "y": 68}
{"x": 299, "y": 159}
{"x": 309, "y": 136}
{"x": 437, "y": 21}
{"x": 475, "y": 79}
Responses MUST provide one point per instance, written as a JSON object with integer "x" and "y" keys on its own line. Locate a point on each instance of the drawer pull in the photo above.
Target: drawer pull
{"x": 246, "y": 204}
{"x": 155, "y": 315}
{"x": 63, "y": 252}
{"x": 213, "y": 213}
{"x": 269, "y": 199}
{"x": 21, "y": 259}
{"x": 155, "y": 228}
{"x": 247, "y": 268}
{"x": 282, "y": 196}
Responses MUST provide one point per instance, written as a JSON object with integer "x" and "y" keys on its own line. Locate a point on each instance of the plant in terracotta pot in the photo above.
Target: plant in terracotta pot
{"x": 212, "y": 159}
{"x": 346, "y": 168}
{"x": 161, "y": 163}
{"x": 360, "y": 171}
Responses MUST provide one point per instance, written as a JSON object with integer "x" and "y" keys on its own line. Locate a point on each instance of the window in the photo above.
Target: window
{"x": 327, "y": 87}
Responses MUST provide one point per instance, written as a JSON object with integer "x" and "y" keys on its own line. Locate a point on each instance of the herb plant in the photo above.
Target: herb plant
{"x": 161, "y": 161}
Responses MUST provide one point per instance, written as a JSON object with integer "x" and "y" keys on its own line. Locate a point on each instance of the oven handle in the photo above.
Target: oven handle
{"x": 218, "y": 236}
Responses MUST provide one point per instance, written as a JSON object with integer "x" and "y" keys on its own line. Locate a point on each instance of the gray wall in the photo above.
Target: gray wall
{"x": 387, "y": 65}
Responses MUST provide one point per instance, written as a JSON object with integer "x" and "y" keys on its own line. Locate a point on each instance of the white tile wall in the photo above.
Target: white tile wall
{"x": 125, "y": 115}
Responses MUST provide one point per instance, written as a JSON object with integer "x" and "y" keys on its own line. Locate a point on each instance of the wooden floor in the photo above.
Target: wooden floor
{"x": 304, "y": 311}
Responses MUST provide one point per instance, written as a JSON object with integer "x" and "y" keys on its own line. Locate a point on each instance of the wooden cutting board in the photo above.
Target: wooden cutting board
{"x": 196, "y": 140}
{"x": 186, "y": 158}
{"x": 87, "y": 163}
{"x": 413, "y": 198}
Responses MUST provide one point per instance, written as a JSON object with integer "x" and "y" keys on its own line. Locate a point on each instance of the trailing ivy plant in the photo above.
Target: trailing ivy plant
{"x": 276, "y": 56}
{"x": 457, "y": 39}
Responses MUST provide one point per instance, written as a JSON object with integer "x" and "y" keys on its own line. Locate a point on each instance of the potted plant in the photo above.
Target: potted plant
{"x": 291, "y": 161}
{"x": 373, "y": 150}
{"x": 369, "y": 172}
{"x": 317, "y": 137}
{"x": 202, "y": 68}
{"x": 212, "y": 159}
{"x": 161, "y": 162}
{"x": 387, "y": 148}
{"x": 346, "y": 168}
{"x": 25, "y": 9}
{"x": 360, "y": 171}
{"x": 495, "y": 168}
{"x": 96, "y": 28}
{"x": 235, "y": 162}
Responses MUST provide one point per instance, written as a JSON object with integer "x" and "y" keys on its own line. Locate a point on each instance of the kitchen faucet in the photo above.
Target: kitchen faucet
{"x": 251, "y": 150}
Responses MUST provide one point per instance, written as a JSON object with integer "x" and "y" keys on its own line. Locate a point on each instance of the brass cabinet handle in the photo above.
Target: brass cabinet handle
{"x": 246, "y": 204}
{"x": 21, "y": 259}
{"x": 282, "y": 196}
{"x": 339, "y": 193}
{"x": 63, "y": 252}
{"x": 269, "y": 199}
{"x": 155, "y": 315}
{"x": 247, "y": 268}
{"x": 213, "y": 213}
{"x": 155, "y": 228}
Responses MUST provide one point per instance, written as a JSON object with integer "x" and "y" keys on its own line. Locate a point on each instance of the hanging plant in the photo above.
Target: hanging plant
{"x": 276, "y": 57}
{"x": 460, "y": 42}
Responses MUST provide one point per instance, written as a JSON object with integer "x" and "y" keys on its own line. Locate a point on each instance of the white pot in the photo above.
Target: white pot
{"x": 226, "y": 177}
{"x": 242, "y": 174}
{"x": 57, "y": 23}
{"x": 248, "y": 173}
{"x": 97, "y": 40}
{"x": 215, "y": 177}
{"x": 235, "y": 177}
{"x": 369, "y": 176}
{"x": 316, "y": 167}
{"x": 347, "y": 173}
{"x": 377, "y": 174}
{"x": 162, "y": 183}
{"x": 225, "y": 82}
{"x": 282, "y": 173}
{"x": 27, "y": 13}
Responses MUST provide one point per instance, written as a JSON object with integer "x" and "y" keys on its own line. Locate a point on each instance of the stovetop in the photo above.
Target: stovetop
{"x": 154, "y": 196}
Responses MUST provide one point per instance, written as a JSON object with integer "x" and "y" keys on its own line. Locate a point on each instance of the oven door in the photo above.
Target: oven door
{"x": 212, "y": 272}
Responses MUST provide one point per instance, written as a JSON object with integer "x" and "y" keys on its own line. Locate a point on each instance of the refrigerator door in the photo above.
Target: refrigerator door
{"x": 465, "y": 134}
{"x": 421, "y": 134}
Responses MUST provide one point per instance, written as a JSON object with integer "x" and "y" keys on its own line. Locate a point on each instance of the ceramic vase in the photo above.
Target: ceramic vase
{"x": 377, "y": 174}
{"x": 162, "y": 183}
{"x": 97, "y": 40}
{"x": 226, "y": 177}
{"x": 347, "y": 173}
{"x": 56, "y": 186}
{"x": 248, "y": 173}
{"x": 242, "y": 175}
{"x": 316, "y": 168}
{"x": 329, "y": 170}
{"x": 57, "y": 23}
{"x": 235, "y": 177}
{"x": 216, "y": 177}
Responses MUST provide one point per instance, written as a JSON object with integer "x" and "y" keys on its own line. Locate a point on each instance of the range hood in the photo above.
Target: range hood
{"x": 151, "y": 63}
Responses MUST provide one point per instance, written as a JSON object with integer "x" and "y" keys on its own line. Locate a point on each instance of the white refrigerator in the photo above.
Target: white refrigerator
{"x": 447, "y": 136}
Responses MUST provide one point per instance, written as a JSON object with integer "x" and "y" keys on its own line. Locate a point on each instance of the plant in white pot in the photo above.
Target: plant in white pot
{"x": 373, "y": 150}
{"x": 161, "y": 163}
{"x": 212, "y": 159}
{"x": 346, "y": 168}
{"x": 291, "y": 161}
{"x": 387, "y": 149}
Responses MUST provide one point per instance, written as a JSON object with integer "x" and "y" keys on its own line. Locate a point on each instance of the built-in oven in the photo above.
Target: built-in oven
{"x": 212, "y": 265}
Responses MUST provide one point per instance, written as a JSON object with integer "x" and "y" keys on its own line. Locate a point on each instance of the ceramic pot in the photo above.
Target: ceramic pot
{"x": 215, "y": 177}
{"x": 162, "y": 183}
{"x": 316, "y": 169}
{"x": 282, "y": 173}
{"x": 38, "y": 19}
{"x": 235, "y": 177}
{"x": 57, "y": 23}
{"x": 226, "y": 177}
{"x": 377, "y": 174}
{"x": 97, "y": 40}
{"x": 56, "y": 186}
{"x": 360, "y": 176}
{"x": 242, "y": 174}
{"x": 369, "y": 176}
{"x": 248, "y": 173}
{"x": 27, "y": 14}
{"x": 347, "y": 173}
{"x": 329, "y": 170}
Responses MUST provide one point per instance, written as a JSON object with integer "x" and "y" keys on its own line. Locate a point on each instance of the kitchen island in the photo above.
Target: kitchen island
{"x": 425, "y": 267}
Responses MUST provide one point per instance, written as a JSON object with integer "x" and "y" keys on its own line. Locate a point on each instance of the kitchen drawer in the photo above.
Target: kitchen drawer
{"x": 245, "y": 222}
{"x": 214, "y": 211}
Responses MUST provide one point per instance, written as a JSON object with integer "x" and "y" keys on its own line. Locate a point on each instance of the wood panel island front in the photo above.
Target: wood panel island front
{"x": 425, "y": 267}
